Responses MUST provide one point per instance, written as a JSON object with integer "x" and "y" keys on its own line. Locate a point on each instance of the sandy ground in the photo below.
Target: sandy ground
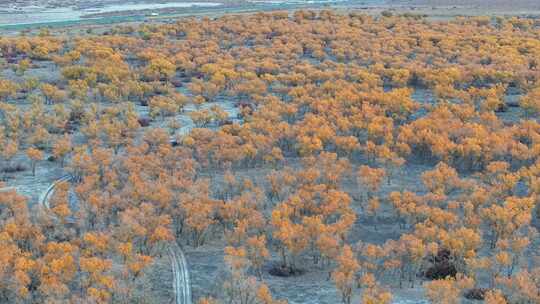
{"x": 453, "y": 8}
{"x": 486, "y": 4}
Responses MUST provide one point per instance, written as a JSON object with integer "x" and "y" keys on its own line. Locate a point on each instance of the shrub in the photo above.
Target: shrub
{"x": 284, "y": 271}
{"x": 476, "y": 293}
{"x": 441, "y": 267}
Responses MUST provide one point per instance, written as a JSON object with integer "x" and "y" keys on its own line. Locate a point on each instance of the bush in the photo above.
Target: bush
{"x": 76, "y": 116}
{"x": 476, "y": 293}
{"x": 13, "y": 168}
{"x": 387, "y": 14}
{"x": 70, "y": 127}
{"x": 441, "y": 267}
{"x": 501, "y": 108}
{"x": 284, "y": 271}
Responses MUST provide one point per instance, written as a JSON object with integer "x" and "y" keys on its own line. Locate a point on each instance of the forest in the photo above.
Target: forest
{"x": 378, "y": 158}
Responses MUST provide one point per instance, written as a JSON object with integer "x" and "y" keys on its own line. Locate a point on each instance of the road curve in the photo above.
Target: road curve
{"x": 181, "y": 282}
{"x": 44, "y": 198}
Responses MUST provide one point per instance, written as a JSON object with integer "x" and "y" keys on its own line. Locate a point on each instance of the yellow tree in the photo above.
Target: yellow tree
{"x": 344, "y": 275}
{"x": 372, "y": 178}
{"x": 52, "y": 93}
{"x": 35, "y": 156}
{"x": 8, "y": 89}
{"x": 373, "y": 292}
{"x": 9, "y": 151}
{"x": 61, "y": 148}
{"x": 531, "y": 102}
{"x": 159, "y": 69}
{"x": 449, "y": 290}
{"x": 505, "y": 220}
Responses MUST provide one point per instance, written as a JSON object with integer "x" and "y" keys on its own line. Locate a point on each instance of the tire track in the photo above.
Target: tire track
{"x": 44, "y": 198}
{"x": 181, "y": 281}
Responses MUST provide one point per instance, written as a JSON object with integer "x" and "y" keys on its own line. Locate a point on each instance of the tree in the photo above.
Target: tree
{"x": 291, "y": 235}
{"x": 407, "y": 255}
{"x": 9, "y": 151}
{"x": 40, "y": 137}
{"x": 507, "y": 219}
{"x": 52, "y": 93}
{"x": 23, "y": 66}
{"x": 239, "y": 288}
{"x": 164, "y": 106}
{"x": 58, "y": 268}
{"x": 8, "y": 89}
{"x": 530, "y": 102}
{"x": 448, "y": 291}
{"x": 371, "y": 178}
{"x": 199, "y": 213}
{"x": 441, "y": 180}
{"x": 344, "y": 275}
{"x": 373, "y": 293}
{"x": 159, "y": 69}
{"x": 495, "y": 297}
{"x": 257, "y": 253}
{"x": 407, "y": 206}
{"x": 79, "y": 89}
{"x": 97, "y": 278}
{"x": 372, "y": 208}
{"x": 524, "y": 287}
{"x": 207, "y": 300}
{"x": 61, "y": 148}
{"x": 201, "y": 118}
{"x": 132, "y": 284}
{"x": 149, "y": 231}
{"x": 35, "y": 156}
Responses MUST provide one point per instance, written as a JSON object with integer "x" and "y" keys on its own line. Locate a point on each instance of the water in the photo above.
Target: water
{"x": 35, "y": 15}
{"x": 145, "y": 6}
{"x": 295, "y": 2}
{"x": 17, "y": 18}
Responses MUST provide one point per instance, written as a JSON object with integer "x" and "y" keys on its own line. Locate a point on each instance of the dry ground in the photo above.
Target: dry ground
{"x": 486, "y": 4}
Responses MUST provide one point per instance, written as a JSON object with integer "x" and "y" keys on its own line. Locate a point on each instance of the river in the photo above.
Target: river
{"x": 20, "y": 17}
{"x": 36, "y": 14}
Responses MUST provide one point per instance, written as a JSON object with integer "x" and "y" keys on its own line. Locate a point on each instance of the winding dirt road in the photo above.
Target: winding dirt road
{"x": 44, "y": 198}
{"x": 181, "y": 282}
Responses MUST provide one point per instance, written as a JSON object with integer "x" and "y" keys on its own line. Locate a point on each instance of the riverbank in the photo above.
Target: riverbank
{"x": 73, "y": 17}
{"x": 100, "y": 14}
